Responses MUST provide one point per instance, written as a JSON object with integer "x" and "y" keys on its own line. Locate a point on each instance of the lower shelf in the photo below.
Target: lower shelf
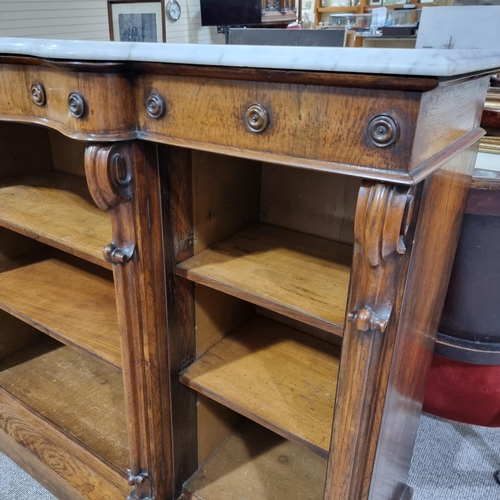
{"x": 75, "y": 394}
{"x": 275, "y": 375}
{"x": 68, "y": 299}
{"x": 256, "y": 464}
{"x": 53, "y": 458}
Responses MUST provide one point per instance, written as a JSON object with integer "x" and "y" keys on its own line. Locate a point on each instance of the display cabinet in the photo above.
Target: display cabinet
{"x": 221, "y": 275}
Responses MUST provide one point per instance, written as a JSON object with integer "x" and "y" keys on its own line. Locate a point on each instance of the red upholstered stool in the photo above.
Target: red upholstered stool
{"x": 464, "y": 380}
{"x": 464, "y": 392}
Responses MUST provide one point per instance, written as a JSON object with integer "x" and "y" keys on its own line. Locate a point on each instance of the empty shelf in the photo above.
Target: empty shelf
{"x": 297, "y": 275}
{"x": 56, "y": 208}
{"x": 256, "y": 464}
{"x": 76, "y": 394}
{"x": 277, "y": 376}
{"x": 67, "y": 302}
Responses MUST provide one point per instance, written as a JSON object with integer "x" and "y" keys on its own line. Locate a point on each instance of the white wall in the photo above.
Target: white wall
{"x": 188, "y": 28}
{"x": 88, "y": 20}
{"x": 67, "y": 19}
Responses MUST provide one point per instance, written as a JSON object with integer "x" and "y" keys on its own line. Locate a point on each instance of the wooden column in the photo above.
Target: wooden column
{"x": 399, "y": 277}
{"x": 123, "y": 179}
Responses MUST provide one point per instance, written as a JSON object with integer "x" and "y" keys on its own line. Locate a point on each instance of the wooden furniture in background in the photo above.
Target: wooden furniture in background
{"x": 276, "y": 284}
{"x": 323, "y": 8}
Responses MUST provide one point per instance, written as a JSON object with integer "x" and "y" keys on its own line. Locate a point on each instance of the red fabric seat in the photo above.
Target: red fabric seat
{"x": 463, "y": 392}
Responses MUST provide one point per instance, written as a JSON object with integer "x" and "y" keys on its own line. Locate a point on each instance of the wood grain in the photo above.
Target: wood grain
{"x": 67, "y": 154}
{"x": 70, "y": 303}
{"x": 178, "y": 238}
{"x": 215, "y": 424}
{"x": 257, "y": 464}
{"x": 279, "y": 377}
{"x": 301, "y": 125}
{"x": 216, "y": 315}
{"x": 317, "y": 203}
{"x": 291, "y": 273}
{"x": 447, "y": 114}
{"x": 16, "y": 158}
{"x": 232, "y": 200}
{"x": 124, "y": 180}
{"x": 75, "y": 393}
{"x": 55, "y": 459}
{"x": 445, "y": 193}
{"x": 383, "y": 218}
{"x": 98, "y": 89}
{"x": 56, "y": 208}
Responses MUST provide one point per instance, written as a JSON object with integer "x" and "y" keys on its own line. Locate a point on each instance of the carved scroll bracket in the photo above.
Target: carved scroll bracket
{"x": 382, "y": 220}
{"x": 382, "y": 225}
{"x": 109, "y": 175}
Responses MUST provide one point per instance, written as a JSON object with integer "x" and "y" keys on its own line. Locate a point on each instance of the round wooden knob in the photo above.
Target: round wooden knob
{"x": 76, "y": 104}
{"x": 383, "y": 131}
{"x": 37, "y": 94}
{"x": 155, "y": 106}
{"x": 256, "y": 118}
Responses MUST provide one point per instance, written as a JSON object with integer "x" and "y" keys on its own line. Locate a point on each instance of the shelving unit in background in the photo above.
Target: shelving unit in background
{"x": 322, "y": 13}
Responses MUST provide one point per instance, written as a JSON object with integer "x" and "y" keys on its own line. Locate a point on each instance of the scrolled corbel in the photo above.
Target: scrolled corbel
{"x": 109, "y": 170}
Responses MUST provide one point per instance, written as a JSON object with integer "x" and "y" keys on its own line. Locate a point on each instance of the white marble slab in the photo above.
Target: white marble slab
{"x": 421, "y": 62}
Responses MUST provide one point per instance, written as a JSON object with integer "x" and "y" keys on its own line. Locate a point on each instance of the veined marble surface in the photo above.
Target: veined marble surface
{"x": 419, "y": 62}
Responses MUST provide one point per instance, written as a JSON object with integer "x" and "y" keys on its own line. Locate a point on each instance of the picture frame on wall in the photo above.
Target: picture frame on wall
{"x": 136, "y": 20}
{"x": 376, "y": 3}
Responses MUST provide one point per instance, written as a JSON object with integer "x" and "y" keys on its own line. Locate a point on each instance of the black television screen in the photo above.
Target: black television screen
{"x": 230, "y": 12}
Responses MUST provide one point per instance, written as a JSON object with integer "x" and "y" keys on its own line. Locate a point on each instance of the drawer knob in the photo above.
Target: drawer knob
{"x": 155, "y": 106}
{"x": 256, "y": 118}
{"x": 383, "y": 131}
{"x": 37, "y": 94}
{"x": 76, "y": 104}
{"x": 116, "y": 255}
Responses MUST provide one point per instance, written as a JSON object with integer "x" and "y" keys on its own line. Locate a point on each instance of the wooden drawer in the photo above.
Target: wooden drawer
{"x": 97, "y": 90}
{"x": 307, "y": 124}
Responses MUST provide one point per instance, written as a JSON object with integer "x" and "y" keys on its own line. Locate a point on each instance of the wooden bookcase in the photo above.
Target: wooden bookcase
{"x": 277, "y": 247}
{"x": 61, "y": 385}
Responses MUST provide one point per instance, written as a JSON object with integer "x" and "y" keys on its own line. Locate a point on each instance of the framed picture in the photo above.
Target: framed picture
{"x": 136, "y": 20}
{"x": 376, "y": 2}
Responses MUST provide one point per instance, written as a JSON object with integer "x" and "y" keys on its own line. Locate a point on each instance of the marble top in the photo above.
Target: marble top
{"x": 418, "y": 62}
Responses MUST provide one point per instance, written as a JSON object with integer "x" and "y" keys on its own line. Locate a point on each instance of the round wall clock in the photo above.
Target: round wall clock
{"x": 173, "y": 9}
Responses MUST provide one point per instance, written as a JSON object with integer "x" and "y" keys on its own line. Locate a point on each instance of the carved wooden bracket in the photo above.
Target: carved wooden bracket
{"x": 109, "y": 175}
{"x": 382, "y": 218}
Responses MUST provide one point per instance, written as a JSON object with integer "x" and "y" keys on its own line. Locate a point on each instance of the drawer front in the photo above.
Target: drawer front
{"x": 108, "y": 104}
{"x": 318, "y": 123}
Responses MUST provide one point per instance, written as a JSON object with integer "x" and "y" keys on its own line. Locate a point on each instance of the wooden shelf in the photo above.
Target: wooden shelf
{"x": 347, "y": 10}
{"x": 294, "y": 274}
{"x": 275, "y": 375}
{"x": 69, "y": 303}
{"x": 57, "y": 209}
{"x": 76, "y": 394}
{"x": 255, "y": 464}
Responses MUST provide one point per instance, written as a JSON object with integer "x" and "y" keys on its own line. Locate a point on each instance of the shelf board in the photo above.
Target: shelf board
{"x": 69, "y": 303}
{"x": 347, "y": 10}
{"x": 56, "y": 208}
{"x": 75, "y": 393}
{"x": 294, "y": 274}
{"x": 256, "y": 464}
{"x": 275, "y": 375}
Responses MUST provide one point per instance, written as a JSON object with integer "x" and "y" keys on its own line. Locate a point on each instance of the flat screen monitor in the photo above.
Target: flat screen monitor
{"x": 230, "y": 12}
